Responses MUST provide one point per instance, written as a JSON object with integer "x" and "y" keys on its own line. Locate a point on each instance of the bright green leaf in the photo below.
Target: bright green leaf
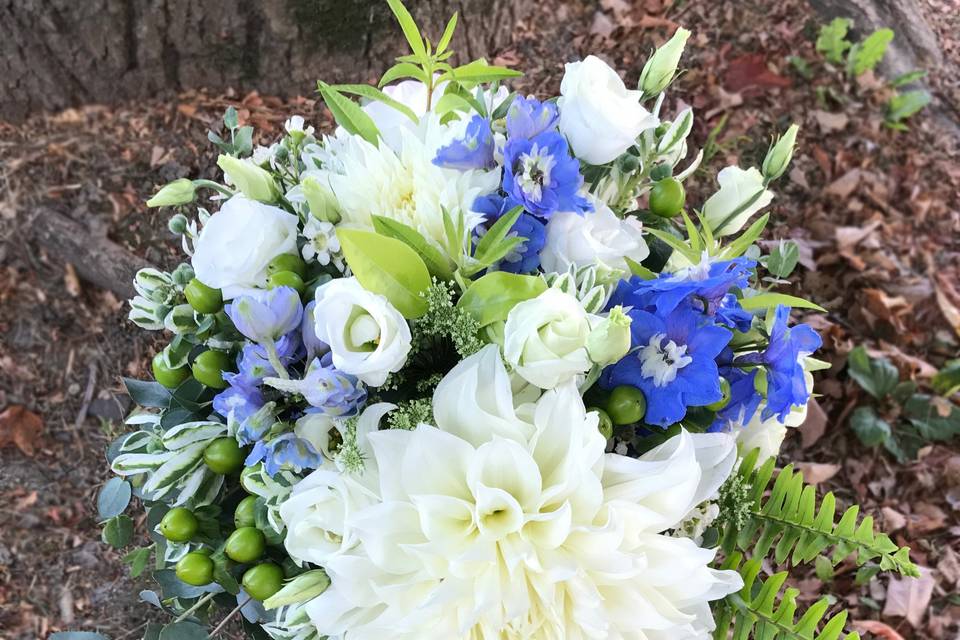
{"x": 387, "y": 266}
{"x": 447, "y": 33}
{"x": 903, "y": 105}
{"x": 870, "y": 52}
{"x": 491, "y": 298}
{"x": 348, "y": 114}
{"x": 372, "y": 93}
{"x": 877, "y": 376}
{"x": 479, "y": 71}
{"x": 402, "y": 70}
{"x": 436, "y": 262}
{"x": 832, "y": 41}
{"x": 769, "y": 300}
{"x": 410, "y": 29}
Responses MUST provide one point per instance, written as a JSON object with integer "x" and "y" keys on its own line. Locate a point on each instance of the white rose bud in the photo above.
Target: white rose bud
{"x": 180, "y": 191}
{"x": 662, "y": 65}
{"x": 545, "y": 339}
{"x": 368, "y": 337}
{"x": 238, "y": 242}
{"x": 742, "y": 194}
{"x": 600, "y": 117}
{"x": 322, "y": 203}
{"x": 254, "y": 182}
{"x": 779, "y": 155}
{"x": 610, "y": 339}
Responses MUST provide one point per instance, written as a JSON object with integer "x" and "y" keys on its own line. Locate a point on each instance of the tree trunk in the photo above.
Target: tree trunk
{"x": 59, "y": 53}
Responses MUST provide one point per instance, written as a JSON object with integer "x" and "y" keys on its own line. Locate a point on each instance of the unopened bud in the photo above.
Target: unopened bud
{"x": 180, "y": 191}
{"x": 305, "y": 586}
{"x": 323, "y": 205}
{"x": 609, "y": 340}
{"x": 662, "y": 65}
{"x": 251, "y": 180}
{"x": 780, "y": 153}
{"x": 178, "y": 224}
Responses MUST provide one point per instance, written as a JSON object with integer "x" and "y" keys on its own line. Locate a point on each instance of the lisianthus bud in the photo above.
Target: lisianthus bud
{"x": 779, "y": 154}
{"x": 305, "y": 586}
{"x": 662, "y": 65}
{"x": 609, "y": 340}
{"x": 251, "y": 180}
{"x": 177, "y": 192}
{"x": 323, "y": 205}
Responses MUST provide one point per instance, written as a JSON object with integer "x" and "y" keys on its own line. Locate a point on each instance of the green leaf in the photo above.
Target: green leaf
{"x": 348, "y": 114}
{"x": 491, "y": 298}
{"x": 871, "y": 429}
{"x": 113, "y": 498}
{"x": 832, "y": 41}
{"x": 824, "y": 568}
{"x": 450, "y": 102}
{"x": 908, "y": 78}
{"x": 878, "y": 377}
{"x": 478, "y": 71}
{"x": 903, "y": 105}
{"x": 783, "y": 259}
{"x": 118, "y": 531}
{"x": 402, "y": 70}
{"x": 436, "y": 262}
{"x": 230, "y": 118}
{"x": 147, "y": 394}
{"x": 410, "y": 29}
{"x": 222, "y": 575}
{"x": 389, "y": 267}
{"x": 946, "y": 382}
{"x": 870, "y": 52}
{"x": 493, "y": 245}
{"x": 183, "y": 631}
{"x": 640, "y": 270}
{"x": 675, "y": 243}
{"x": 447, "y": 33}
{"x": 739, "y": 246}
{"x": 769, "y": 300}
{"x": 372, "y": 93}
{"x": 305, "y": 586}
{"x": 934, "y": 420}
{"x": 137, "y": 559}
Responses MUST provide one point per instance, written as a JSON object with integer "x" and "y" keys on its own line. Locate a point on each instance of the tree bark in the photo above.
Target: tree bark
{"x": 59, "y": 53}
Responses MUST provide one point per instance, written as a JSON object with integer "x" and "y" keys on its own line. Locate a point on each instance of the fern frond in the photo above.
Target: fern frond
{"x": 790, "y": 522}
{"x": 764, "y": 610}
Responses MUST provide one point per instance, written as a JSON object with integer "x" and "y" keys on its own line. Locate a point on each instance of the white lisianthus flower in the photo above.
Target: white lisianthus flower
{"x": 405, "y": 186}
{"x": 519, "y": 537}
{"x": 368, "y": 337}
{"x": 238, "y": 242}
{"x": 741, "y": 195}
{"x": 595, "y": 237}
{"x": 545, "y": 339}
{"x": 600, "y": 117}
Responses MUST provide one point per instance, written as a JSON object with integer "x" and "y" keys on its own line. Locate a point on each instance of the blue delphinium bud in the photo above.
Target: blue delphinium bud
{"x": 264, "y": 316}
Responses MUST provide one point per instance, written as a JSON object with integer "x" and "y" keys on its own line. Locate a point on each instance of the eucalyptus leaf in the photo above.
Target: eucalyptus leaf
{"x": 388, "y": 267}
{"x": 783, "y": 259}
{"x": 118, "y": 531}
{"x": 147, "y": 394}
{"x": 137, "y": 559}
{"x": 113, "y": 498}
{"x": 183, "y": 631}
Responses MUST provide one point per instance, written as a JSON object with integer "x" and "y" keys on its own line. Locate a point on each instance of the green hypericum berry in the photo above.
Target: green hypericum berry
{"x": 223, "y": 455}
{"x": 606, "y": 424}
{"x": 288, "y": 262}
{"x": 245, "y": 545}
{"x": 626, "y": 405}
{"x": 245, "y": 513}
{"x": 667, "y": 198}
{"x": 203, "y": 298}
{"x": 209, "y": 367}
{"x": 179, "y": 524}
{"x": 725, "y": 400}
{"x": 263, "y": 580}
{"x": 170, "y": 378}
{"x": 195, "y": 569}
{"x": 286, "y": 279}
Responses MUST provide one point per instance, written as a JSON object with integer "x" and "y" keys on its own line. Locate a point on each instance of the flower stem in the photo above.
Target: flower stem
{"x": 199, "y": 603}
{"x": 271, "y": 348}
{"x": 230, "y": 615}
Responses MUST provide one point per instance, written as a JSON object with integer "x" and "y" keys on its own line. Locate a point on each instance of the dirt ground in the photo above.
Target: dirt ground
{"x": 874, "y": 211}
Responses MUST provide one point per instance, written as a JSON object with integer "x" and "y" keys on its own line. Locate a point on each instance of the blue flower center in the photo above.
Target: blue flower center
{"x": 662, "y": 361}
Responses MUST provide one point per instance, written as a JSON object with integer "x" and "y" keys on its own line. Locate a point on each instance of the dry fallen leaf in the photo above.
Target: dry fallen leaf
{"x": 949, "y": 567}
{"x": 22, "y": 428}
{"x": 844, "y": 186}
{"x": 893, "y": 520}
{"x": 817, "y": 472}
{"x": 813, "y": 426}
{"x": 830, "y": 122}
{"x": 910, "y": 597}
{"x": 71, "y": 281}
{"x": 877, "y": 628}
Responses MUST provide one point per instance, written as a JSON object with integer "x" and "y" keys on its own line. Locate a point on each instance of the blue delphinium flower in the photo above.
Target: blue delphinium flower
{"x": 237, "y": 403}
{"x": 528, "y": 117}
{"x": 706, "y": 284}
{"x": 308, "y": 330}
{"x": 287, "y": 450}
{"x": 731, "y": 314}
{"x": 257, "y": 425}
{"x": 526, "y": 257}
{"x": 783, "y": 361}
{"x": 473, "y": 151}
{"x": 253, "y": 364}
{"x": 744, "y": 399}
{"x": 325, "y": 388}
{"x": 542, "y": 176}
{"x": 264, "y": 316}
{"x": 672, "y": 360}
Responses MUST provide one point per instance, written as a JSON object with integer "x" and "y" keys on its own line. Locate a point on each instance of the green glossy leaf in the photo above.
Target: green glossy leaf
{"x": 877, "y": 376}
{"x": 113, "y": 498}
{"x": 137, "y": 559}
{"x": 867, "y": 54}
{"x": 147, "y": 394}
{"x": 348, "y": 114}
{"x": 832, "y": 41}
{"x": 389, "y": 267}
{"x": 410, "y": 29}
{"x": 479, "y": 71}
{"x": 402, "y": 70}
{"x": 118, "y": 531}
{"x": 871, "y": 429}
{"x": 769, "y": 300}
{"x": 447, "y": 33}
{"x": 436, "y": 262}
{"x": 491, "y": 298}
{"x": 372, "y": 93}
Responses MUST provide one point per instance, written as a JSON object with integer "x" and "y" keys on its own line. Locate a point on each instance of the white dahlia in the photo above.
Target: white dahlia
{"x": 528, "y": 532}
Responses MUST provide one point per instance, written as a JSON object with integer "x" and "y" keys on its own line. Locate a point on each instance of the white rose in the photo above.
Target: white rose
{"x": 598, "y": 236}
{"x": 238, "y": 242}
{"x": 599, "y": 116}
{"x": 368, "y": 337}
{"x": 545, "y": 339}
{"x": 741, "y": 195}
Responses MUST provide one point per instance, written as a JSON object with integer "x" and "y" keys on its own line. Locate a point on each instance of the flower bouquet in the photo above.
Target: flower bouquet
{"x": 469, "y": 367}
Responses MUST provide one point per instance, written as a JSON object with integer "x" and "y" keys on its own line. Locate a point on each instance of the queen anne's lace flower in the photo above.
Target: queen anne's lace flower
{"x": 533, "y": 532}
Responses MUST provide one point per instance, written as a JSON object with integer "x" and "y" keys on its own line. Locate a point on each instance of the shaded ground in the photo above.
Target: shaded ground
{"x": 874, "y": 211}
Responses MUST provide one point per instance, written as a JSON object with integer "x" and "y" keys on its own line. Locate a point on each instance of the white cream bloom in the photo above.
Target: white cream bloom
{"x": 405, "y": 185}
{"x": 597, "y": 237}
{"x": 368, "y": 337}
{"x": 741, "y": 195}
{"x": 545, "y": 339}
{"x": 390, "y": 121}
{"x": 322, "y": 243}
{"x": 600, "y": 117}
{"x": 537, "y": 535}
{"x": 238, "y": 242}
